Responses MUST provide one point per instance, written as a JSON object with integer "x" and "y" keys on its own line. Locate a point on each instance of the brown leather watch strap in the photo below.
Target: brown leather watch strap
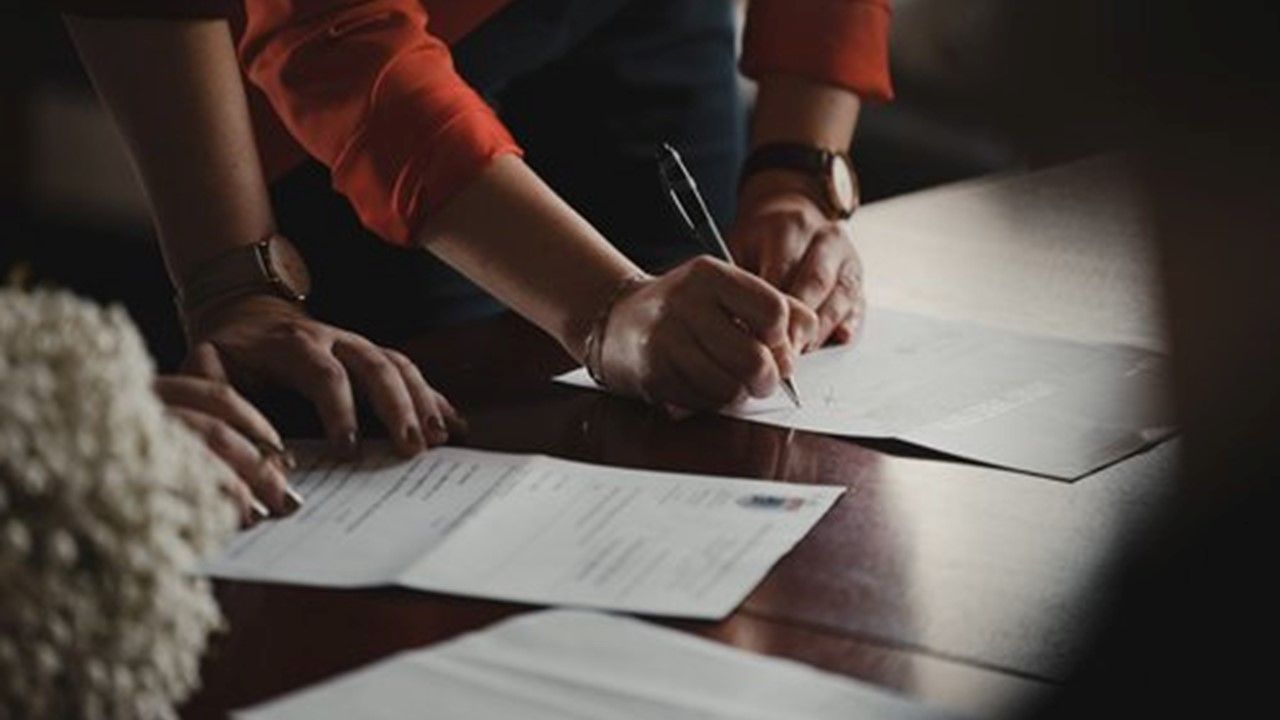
{"x": 245, "y": 270}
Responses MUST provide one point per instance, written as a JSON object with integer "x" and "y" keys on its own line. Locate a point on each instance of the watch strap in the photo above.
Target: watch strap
{"x": 820, "y": 165}
{"x": 786, "y": 156}
{"x": 243, "y": 270}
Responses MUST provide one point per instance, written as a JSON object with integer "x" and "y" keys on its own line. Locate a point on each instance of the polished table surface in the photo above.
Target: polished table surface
{"x": 961, "y": 585}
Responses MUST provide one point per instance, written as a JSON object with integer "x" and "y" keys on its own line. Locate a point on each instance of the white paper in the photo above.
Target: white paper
{"x": 364, "y": 523}
{"x": 1048, "y": 406}
{"x": 663, "y": 543}
{"x": 564, "y": 664}
{"x": 533, "y": 529}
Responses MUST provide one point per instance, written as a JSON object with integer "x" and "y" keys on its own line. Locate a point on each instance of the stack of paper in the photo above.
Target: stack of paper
{"x": 556, "y": 665}
{"x": 1053, "y": 407}
{"x": 531, "y": 529}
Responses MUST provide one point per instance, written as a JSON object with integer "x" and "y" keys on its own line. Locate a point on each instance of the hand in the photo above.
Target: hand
{"x": 702, "y": 336}
{"x": 260, "y": 338}
{"x": 782, "y": 234}
{"x": 236, "y": 432}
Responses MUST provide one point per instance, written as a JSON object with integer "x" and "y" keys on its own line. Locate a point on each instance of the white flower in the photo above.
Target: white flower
{"x": 106, "y": 506}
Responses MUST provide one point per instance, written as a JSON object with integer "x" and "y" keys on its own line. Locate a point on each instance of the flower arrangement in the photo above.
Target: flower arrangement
{"x": 107, "y": 505}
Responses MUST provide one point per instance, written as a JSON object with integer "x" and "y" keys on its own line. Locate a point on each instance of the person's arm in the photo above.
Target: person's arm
{"x": 815, "y": 62}
{"x": 174, "y": 90}
{"x": 368, "y": 91}
{"x": 677, "y": 339}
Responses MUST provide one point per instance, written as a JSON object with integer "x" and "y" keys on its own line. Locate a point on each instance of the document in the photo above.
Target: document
{"x": 560, "y": 664}
{"x": 1052, "y": 407}
{"x": 530, "y": 528}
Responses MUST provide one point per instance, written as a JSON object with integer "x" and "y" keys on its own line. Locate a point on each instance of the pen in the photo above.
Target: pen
{"x": 693, "y": 209}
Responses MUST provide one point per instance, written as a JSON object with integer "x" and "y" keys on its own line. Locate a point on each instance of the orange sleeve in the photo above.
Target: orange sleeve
{"x": 366, "y": 90}
{"x": 840, "y": 42}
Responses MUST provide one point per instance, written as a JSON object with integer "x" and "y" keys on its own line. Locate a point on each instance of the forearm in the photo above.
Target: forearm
{"x": 793, "y": 109}
{"x": 514, "y": 237}
{"x": 174, "y": 90}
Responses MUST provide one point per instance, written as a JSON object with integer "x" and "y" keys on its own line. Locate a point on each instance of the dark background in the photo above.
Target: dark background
{"x": 984, "y": 86}
{"x": 74, "y": 214}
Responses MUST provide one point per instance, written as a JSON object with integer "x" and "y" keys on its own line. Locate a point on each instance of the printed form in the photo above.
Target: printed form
{"x": 531, "y": 529}
{"x": 1053, "y": 407}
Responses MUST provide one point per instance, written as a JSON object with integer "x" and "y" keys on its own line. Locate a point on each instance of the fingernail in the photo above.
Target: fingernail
{"x": 260, "y": 511}
{"x": 272, "y": 451}
{"x": 438, "y": 432}
{"x": 350, "y": 444}
{"x": 292, "y": 500}
{"x": 413, "y": 437}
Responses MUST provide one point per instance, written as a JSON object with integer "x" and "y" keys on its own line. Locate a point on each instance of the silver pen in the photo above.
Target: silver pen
{"x": 693, "y": 209}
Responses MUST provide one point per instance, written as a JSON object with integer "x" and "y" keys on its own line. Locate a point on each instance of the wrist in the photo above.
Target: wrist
{"x": 272, "y": 266}
{"x": 768, "y": 186}
{"x": 583, "y": 328}
{"x": 203, "y": 320}
{"x": 823, "y": 175}
{"x": 592, "y": 348}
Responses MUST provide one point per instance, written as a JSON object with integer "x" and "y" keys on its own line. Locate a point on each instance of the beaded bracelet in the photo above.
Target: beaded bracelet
{"x": 593, "y": 347}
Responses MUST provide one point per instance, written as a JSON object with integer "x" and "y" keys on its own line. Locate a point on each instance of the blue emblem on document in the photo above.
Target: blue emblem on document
{"x": 771, "y": 502}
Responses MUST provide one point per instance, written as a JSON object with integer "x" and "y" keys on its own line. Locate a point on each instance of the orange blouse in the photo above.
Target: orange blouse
{"x": 368, "y": 88}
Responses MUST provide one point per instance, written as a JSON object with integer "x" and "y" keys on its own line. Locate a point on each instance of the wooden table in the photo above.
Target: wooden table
{"x": 961, "y": 585}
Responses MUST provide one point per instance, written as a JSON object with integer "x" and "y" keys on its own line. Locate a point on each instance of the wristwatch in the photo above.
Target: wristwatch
{"x": 273, "y": 266}
{"x": 832, "y": 170}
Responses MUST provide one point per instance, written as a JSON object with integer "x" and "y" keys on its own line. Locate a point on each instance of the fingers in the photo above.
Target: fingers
{"x": 309, "y": 367}
{"x": 248, "y": 509}
{"x": 266, "y": 482}
{"x": 219, "y": 400}
{"x": 698, "y": 381}
{"x": 779, "y": 254}
{"x": 384, "y": 385}
{"x": 846, "y": 332}
{"x": 829, "y": 279}
{"x": 816, "y": 274}
{"x": 204, "y": 361}
{"x": 838, "y": 309}
{"x": 750, "y": 364}
{"x": 746, "y": 297}
{"x": 803, "y": 326}
{"x": 437, "y": 416}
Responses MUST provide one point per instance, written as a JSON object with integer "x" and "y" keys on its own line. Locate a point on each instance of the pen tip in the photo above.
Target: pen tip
{"x": 790, "y": 389}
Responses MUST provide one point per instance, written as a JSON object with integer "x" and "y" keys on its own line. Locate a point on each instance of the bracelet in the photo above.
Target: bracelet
{"x": 593, "y": 347}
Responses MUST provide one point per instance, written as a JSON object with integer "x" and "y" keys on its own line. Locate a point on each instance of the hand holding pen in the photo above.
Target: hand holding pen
{"x": 701, "y": 336}
{"x": 684, "y": 194}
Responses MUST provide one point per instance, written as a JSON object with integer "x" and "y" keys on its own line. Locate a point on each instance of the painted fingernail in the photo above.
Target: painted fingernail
{"x": 350, "y": 444}
{"x": 413, "y": 437}
{"x": 292, "y": 500}
{"x": 437, "y": 429}
{"x": 272, "y": 451}
{"x": 260, "y": 511}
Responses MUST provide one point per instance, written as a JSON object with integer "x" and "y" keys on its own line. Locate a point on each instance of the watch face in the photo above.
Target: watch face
{"x": 288, "y": 268}
{"x": 843, "y": 185}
